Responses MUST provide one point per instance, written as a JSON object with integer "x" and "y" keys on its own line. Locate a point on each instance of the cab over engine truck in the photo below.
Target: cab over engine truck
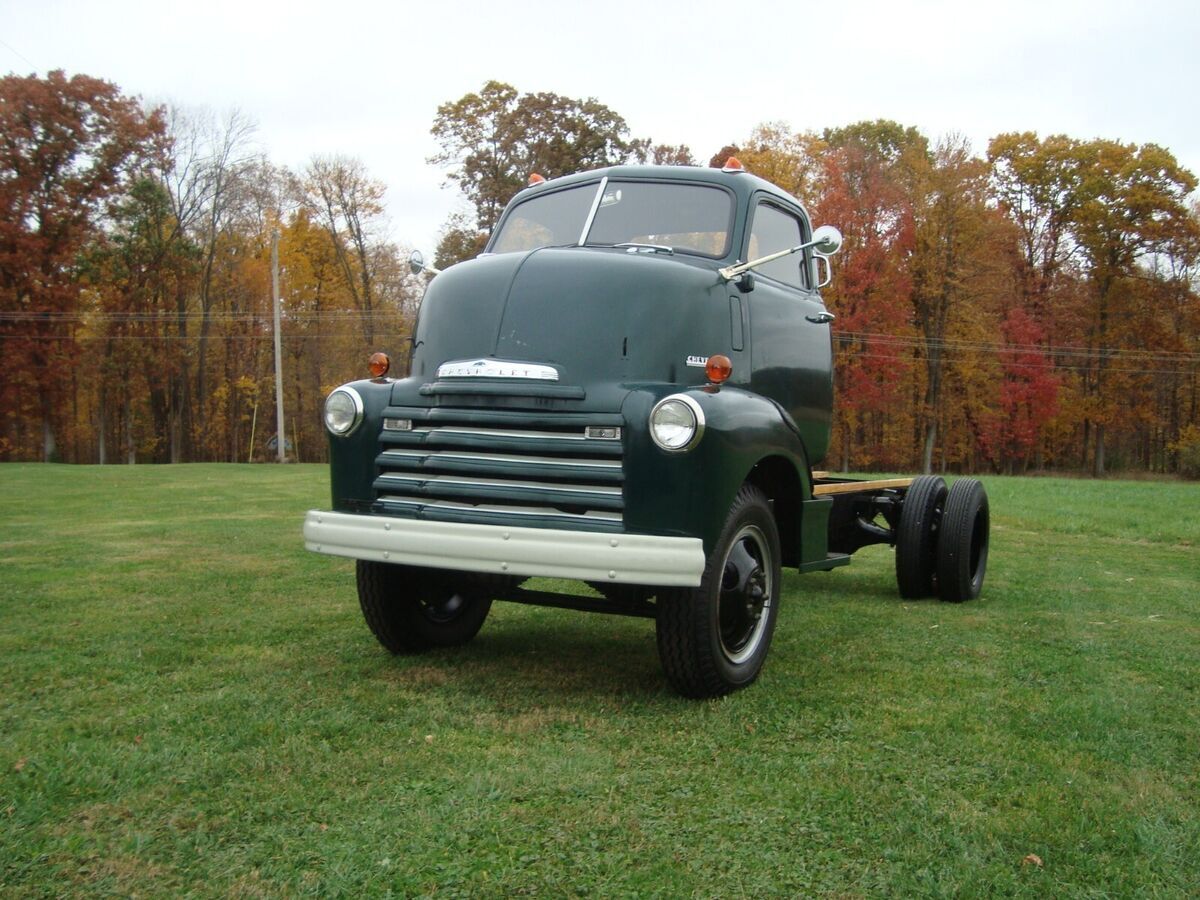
{"x": 630, "y": 387}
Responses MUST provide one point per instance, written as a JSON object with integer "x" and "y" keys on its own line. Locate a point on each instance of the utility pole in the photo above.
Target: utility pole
{"x": 280, "y": 434}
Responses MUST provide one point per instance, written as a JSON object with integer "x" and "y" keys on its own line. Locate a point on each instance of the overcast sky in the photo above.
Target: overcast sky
{"x": 365, "y": 78}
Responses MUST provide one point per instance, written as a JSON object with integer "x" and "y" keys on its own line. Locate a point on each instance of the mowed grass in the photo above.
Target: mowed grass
{"x": 190, "y": 703}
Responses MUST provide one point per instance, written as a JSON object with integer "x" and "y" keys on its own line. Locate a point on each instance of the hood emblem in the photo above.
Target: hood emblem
{"x": 496, "y": 368}
{"x": 697, "y": 362}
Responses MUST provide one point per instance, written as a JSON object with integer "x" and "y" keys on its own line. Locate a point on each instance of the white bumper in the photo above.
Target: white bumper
{"x": 585, "y": 555}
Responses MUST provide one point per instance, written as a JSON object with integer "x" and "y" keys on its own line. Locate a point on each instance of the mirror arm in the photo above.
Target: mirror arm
{"x": 731, "y": 272}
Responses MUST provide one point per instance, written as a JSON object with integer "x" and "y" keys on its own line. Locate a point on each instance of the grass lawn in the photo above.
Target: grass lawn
{"x": 191, "y": 703}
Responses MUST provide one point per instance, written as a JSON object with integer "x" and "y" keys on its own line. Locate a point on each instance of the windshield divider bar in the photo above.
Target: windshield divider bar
{"x": 587, "y": 226}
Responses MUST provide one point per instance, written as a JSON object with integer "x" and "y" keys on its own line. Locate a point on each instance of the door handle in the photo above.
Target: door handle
{"x": 824, "y": 317}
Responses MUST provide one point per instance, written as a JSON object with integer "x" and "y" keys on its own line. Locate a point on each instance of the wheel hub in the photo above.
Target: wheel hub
{"x": 744, "y": 596}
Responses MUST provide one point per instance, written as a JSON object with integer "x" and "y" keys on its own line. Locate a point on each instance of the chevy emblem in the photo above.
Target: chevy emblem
{"x": 496, "y": 368}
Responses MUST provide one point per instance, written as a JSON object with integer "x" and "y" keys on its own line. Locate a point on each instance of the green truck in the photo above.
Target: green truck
{"x": 631, "y": 387}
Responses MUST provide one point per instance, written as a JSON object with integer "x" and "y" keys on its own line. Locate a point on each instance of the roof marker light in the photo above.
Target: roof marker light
{"x": 733, "y": 164}
{"x": 535, "y": 178}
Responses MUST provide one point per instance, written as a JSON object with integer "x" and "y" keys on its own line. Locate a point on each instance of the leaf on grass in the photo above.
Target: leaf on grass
{"x": 429, "y": 738}
{"x": 20, "y": 764}
{"x": 1032, "y": 860}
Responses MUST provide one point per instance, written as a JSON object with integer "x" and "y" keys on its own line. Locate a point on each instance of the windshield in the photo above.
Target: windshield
{"x": 689, "y": 218}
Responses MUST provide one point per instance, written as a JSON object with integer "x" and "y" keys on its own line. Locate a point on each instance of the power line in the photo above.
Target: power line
{"x": 914, "y": 342}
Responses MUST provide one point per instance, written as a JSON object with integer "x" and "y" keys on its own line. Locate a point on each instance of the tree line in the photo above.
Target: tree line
{"x": 1033, "y": 307}
{"x": 135, "y": 299}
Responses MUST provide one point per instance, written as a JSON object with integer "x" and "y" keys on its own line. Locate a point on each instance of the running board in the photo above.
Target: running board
{"x": 831, "y": 561}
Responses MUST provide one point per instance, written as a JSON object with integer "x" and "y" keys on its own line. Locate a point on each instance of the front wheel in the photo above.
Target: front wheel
{"x": 412, "y": 609}
{"x": 714, "y": 638}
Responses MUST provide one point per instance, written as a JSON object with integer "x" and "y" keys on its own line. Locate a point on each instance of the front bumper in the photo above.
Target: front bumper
{"x": 502, "y": 550}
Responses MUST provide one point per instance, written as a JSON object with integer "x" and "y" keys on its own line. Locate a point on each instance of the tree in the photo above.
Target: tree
{"x": 349, "y": 205}
{"x": 460, "y": 241}
{"x": 1132, "y": 206}
{"x": 207, "y": 179}
{"x": 956, "y": 248}
{"x": 494, "y": 139}
{"x": 790, "y": 160}
{"x": 1028, "y": 394}
{"x": 718, "y": 159}
{"x": 672, "y": 155}
{"x": 67, "y": 146}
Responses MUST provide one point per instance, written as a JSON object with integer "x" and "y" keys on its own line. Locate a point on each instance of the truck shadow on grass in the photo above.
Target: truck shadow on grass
{"x": 543, "y": 652}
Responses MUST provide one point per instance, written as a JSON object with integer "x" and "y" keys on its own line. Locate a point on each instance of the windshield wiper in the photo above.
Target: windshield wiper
{"x": 649, "y": 248}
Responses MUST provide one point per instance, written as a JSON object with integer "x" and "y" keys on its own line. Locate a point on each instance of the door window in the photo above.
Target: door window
{"x": 774, "y": 230}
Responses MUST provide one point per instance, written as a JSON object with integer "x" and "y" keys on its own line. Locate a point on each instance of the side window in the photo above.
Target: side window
{"x": 774, "y": 230}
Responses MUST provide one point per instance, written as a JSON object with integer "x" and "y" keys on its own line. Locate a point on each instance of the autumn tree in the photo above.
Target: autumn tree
{"x": 672, "y": 155}
{"x": 67, "y": 146}
{"x": 952, "y": 258}
{"x": 1133, "y": 206}
{"x": 864, "y": 186}
{"x": 209, "y": 173}
{"x": 791, "y": 160}
{"x": 348, "y": 204}
{"x": 1096, "y": 218}
{"x": 140, "y": 271}
{"x": 718, "y": 159}
{"x": 492, "y": 140}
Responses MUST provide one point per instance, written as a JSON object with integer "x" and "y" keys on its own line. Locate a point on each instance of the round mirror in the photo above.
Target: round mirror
{"x": 827, "y": 240}
{"x": 416, "y": 262}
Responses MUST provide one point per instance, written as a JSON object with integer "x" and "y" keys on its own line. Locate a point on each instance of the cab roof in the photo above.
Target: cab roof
{"x": 742, "y": 183}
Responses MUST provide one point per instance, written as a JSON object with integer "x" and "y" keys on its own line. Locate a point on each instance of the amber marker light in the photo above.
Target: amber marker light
{"x": 379, "y": 364}
{"x": 733, "y": 164}
{"x": 718, "y": 368}
{"x": 535, "y": 178}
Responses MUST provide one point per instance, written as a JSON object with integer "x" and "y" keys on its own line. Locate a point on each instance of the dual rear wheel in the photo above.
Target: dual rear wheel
{"x": 942, "y": 539}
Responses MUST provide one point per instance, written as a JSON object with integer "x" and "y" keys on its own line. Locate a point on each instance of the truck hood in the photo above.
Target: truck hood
{"x": 602, "y": 318}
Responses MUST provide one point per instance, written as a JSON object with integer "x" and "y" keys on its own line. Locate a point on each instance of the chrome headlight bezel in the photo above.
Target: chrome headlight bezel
{"x": 691, "y": 423}
{"x": 346, "y": 426}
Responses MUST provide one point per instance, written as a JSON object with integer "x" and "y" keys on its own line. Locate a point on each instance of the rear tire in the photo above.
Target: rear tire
{"x": 714, "y": 638}
{"x": 916, "y": 538}
{"x": 963, "y": 542}
{"x": 412, "y": 609}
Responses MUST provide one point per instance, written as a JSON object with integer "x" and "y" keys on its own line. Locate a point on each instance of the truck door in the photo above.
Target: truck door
{"x": 791, "y": 346}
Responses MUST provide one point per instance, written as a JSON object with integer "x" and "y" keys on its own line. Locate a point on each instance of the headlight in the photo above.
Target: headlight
{"x": 677, "y": 423}
{"x": 343, "y": 411}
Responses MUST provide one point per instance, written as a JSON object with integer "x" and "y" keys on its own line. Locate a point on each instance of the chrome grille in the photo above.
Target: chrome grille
{"x": 502, "y": 467}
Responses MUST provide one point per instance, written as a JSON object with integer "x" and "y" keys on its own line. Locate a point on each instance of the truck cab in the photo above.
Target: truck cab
{"x": 630, "y": 387}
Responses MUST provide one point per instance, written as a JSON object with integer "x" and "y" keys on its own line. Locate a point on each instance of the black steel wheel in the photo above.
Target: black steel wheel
{"x": 412, "y": 609}
{"x": 963, "y": 541}
{"x": 916, "y": 537}
{"x": 714, "y": 638}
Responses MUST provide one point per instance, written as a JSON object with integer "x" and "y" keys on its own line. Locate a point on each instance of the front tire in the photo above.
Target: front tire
{"x": 412, "y": 609}
{"x": 714, "y": 638}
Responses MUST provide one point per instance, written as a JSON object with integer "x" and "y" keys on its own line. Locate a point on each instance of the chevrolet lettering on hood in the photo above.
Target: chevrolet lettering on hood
{"x": 494, "y": 368}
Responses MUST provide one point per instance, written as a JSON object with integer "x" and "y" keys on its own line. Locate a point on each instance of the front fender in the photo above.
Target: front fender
{"x": 352, "y": 458}
{"x": 689, "y": 493}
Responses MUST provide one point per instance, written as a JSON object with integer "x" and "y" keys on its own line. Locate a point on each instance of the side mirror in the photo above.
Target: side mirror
{"x": 827, "y": 240}
{"x": 416, "y": 262}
